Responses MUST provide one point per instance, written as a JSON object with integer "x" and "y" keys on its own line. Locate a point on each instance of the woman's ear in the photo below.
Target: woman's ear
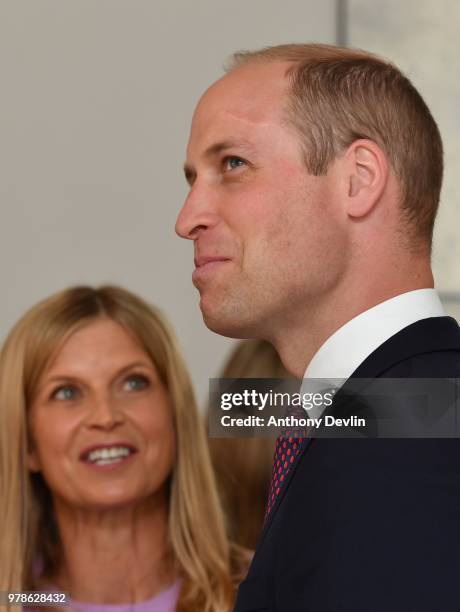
{"x": 367, "y": 175}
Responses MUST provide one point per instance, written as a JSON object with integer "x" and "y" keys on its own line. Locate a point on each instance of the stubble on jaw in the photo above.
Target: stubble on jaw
{"x": 280, "y": 276}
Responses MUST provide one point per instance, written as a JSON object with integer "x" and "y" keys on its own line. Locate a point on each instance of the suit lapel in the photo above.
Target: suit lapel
{"x": 424, "y": 336}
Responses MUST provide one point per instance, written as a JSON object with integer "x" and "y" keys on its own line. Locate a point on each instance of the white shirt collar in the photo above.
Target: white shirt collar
{"x": 349, "y": 346}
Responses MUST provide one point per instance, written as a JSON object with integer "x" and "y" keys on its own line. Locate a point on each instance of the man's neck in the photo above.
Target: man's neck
{"x": 299, "y": 342}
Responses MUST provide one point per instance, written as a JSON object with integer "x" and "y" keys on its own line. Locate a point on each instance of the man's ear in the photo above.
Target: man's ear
{"x": 367, "y": 175}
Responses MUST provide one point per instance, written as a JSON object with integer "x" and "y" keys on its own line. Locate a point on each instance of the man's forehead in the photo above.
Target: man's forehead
{"x": 249, "y": 97}
{"x": 247, "y": 86}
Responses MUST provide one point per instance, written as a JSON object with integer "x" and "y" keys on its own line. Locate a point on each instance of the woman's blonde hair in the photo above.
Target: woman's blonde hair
{"x": 243, "y": 466}
{"x": 197, "y": 538}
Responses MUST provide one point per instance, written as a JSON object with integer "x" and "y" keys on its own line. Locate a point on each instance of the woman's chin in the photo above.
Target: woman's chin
{"x": 109, "y": 498}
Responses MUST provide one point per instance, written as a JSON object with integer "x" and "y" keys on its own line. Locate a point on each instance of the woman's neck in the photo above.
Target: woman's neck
{"x": 116, "y": 555}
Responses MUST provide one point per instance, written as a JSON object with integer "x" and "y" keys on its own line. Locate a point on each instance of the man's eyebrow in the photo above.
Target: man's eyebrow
{"x": 224, "y": 145}
{"x": 214, "y": 150}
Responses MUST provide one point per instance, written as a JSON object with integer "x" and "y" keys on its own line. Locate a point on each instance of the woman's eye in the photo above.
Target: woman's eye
{"x": 135, "y": 383}
{"x": 232, "y": 162}
{"x": 65, "y": 393}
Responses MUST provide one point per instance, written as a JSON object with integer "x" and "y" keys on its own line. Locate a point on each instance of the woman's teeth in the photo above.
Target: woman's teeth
{"x": 104, "y": 456}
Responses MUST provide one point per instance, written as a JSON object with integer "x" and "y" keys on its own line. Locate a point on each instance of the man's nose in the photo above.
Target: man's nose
{"x": 104, "y": 413}
{"x": 197, "y": 213}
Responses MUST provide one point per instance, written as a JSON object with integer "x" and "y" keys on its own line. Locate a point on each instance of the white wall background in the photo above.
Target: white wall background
{"x": 422, "y": 38}
{"x": 95, "y": 102}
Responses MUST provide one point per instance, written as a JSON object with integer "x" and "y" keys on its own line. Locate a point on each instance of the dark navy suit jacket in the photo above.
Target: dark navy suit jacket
{"x": 369, "y": 525}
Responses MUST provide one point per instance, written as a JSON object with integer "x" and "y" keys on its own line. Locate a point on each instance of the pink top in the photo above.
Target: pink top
{"x": 165, "y": 601}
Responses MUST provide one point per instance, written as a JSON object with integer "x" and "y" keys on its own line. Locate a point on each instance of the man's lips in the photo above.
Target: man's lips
{"x": 204, "y": 260}
{"x": 204, "y": 266}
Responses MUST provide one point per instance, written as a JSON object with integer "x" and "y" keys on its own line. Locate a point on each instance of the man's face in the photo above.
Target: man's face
{"x": 267, "y": 234}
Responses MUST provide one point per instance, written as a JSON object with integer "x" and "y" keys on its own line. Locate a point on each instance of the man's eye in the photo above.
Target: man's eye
{"x": 232, "y": 162}
{"x": 65, "y": 393}
{"x": 135, "y": 383}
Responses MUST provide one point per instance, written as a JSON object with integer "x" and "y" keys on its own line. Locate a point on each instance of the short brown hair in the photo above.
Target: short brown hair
{"x": 339, "y": 95}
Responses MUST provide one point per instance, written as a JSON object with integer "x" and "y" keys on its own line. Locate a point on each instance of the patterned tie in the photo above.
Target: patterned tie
{"x": 286, "y": 452}
{"x": 288, "y": 448}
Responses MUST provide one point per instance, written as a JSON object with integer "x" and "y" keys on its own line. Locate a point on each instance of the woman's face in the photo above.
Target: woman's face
{"x": 101, "y": 425}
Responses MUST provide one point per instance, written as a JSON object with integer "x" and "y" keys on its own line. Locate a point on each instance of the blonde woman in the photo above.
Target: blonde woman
{"x": 106, "y": 490}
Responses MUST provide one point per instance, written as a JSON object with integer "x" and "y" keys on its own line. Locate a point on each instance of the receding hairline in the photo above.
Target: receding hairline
{"x": 296, "y": 53}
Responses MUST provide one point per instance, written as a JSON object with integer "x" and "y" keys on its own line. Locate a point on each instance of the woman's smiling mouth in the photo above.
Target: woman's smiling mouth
{"x": 108, "y": 455}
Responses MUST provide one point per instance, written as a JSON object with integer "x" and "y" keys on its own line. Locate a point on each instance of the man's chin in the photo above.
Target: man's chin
{"x": 222, "y": 322}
